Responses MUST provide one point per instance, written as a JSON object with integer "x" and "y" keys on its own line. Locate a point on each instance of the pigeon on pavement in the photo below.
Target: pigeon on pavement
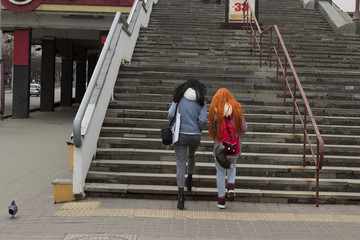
{"x": 13, "y": 208}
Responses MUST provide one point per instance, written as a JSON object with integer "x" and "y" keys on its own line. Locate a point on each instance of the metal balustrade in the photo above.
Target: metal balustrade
{"x": 250, "y": 23}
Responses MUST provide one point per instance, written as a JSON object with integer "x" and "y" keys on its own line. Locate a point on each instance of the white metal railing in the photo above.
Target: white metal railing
{"x": 119, "y": 46}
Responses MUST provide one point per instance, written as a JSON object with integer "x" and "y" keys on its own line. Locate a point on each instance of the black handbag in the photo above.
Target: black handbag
{"x": 166, "y": 133}
{"x": 166, "y": 136}
{"x": 220, "y": 154}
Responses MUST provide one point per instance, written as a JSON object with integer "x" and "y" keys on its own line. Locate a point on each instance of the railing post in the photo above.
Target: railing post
{"x": 254, "y": 41}
{"x": 317, "y": 187}
{"x": 270, "y": 47}
{"x": 260, "y": 49}
{"x": 243, "y": 17}
{"x": 278, "y": 60}
{"x": 251, "y": 32}
{"x": 247, "y": 15}
{"x": 285, "y": 80}
{"x": 247, "y": 19}
{"x": 304, "y": 143}
{"x": 294, "y": 101}
{"x": 317, "y": 154}
{"x": 317, "y": 172}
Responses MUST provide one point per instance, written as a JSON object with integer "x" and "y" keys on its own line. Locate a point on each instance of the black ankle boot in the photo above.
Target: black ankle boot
{"x": 189, "y": 182}
{"x": 181, "y": 198}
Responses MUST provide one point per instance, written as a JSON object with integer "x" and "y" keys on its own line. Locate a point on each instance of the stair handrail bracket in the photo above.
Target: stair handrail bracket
{"x": 256, "y": 39}
{"x": 119, "y": 46}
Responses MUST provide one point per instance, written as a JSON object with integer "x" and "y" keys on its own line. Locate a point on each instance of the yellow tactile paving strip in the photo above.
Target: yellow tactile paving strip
{"x": 91, "y": 209}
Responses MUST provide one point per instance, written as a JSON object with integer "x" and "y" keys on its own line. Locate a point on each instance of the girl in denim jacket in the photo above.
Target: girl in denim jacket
{"x": 192, "y": 106}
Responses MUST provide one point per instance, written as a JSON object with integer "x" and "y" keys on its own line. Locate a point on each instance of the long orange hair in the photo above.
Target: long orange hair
{"x": 218, "y": 102}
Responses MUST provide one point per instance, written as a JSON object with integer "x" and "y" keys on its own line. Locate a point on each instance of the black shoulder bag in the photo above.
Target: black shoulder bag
{"x": 166, "y": 133}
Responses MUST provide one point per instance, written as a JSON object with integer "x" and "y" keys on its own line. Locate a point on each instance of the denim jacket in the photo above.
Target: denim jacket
{"x": 193, "y": 116}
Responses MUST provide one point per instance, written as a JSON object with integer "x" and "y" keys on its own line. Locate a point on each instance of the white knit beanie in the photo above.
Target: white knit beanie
{"x": 227, "y": 110}
{"x": 190, "y": 94}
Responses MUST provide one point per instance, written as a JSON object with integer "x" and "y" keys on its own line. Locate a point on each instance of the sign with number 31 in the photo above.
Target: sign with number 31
{"x": 236, "y": 10}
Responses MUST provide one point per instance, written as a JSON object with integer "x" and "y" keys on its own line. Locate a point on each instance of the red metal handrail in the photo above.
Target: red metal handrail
{"x": 318, "y": 156}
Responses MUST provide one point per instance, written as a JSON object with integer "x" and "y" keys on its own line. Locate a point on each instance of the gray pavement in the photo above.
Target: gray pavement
{"x": 33, "y": 153}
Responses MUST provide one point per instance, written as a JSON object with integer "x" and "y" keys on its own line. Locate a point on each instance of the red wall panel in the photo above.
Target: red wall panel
{"x": 21, "y": 47}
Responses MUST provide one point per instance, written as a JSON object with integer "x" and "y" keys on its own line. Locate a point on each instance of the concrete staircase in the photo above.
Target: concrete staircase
{"x": 184, "y": 39}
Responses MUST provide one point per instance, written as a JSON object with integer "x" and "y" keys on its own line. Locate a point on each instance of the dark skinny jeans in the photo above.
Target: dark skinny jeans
{"x": 185, "y": 152}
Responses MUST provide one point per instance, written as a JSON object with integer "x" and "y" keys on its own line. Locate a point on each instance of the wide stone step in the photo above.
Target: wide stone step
{"x": 252, "y": 126}
{"x": 341, "y": 47}
{"x": 272, "y": 137}
{"x": 249, "y": 100}
{"x": 155, "y": 133}
{"x": 309, "y": 51}
{"x": 209, "y": 61}
{"x": 177, "y": 40}
{"x": 338, "y": 82}
{"x": 201, "y": 74}
{"x": 206, "y": 156}
{"x": 242, "y": 169}
{"x": 247, "y": 108}
{"x": 252, "y": 182}
{"x": 302, "y": 67}
{"x": 250, "y": 85}
{"x": 253, "y": 99}
{"x": 246, "y": 88}
{"x": 207, "y": 145}
{"x": 275, "y": 118}
{"x": 247, "y": 91}
{"x": 321, "y": 77}
{"x": 160, "y": 123}
{"x": 199, "y": 68}
{"x": 201, "y": 193}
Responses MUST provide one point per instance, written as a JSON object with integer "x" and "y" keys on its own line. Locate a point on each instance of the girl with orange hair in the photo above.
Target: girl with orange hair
{"x": 223, "y": 105}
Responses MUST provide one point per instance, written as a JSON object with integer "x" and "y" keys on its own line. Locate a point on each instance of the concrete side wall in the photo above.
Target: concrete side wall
{"x": 308, "y": 4}
{"x": 339, "y": 21}
{"x": 336, "y": 20}
{"x": 312, "y": 4}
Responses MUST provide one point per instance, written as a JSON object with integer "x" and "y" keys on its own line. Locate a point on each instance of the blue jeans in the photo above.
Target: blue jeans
{"x": 185, "y": 152}
{"x": 221, "y": 176}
